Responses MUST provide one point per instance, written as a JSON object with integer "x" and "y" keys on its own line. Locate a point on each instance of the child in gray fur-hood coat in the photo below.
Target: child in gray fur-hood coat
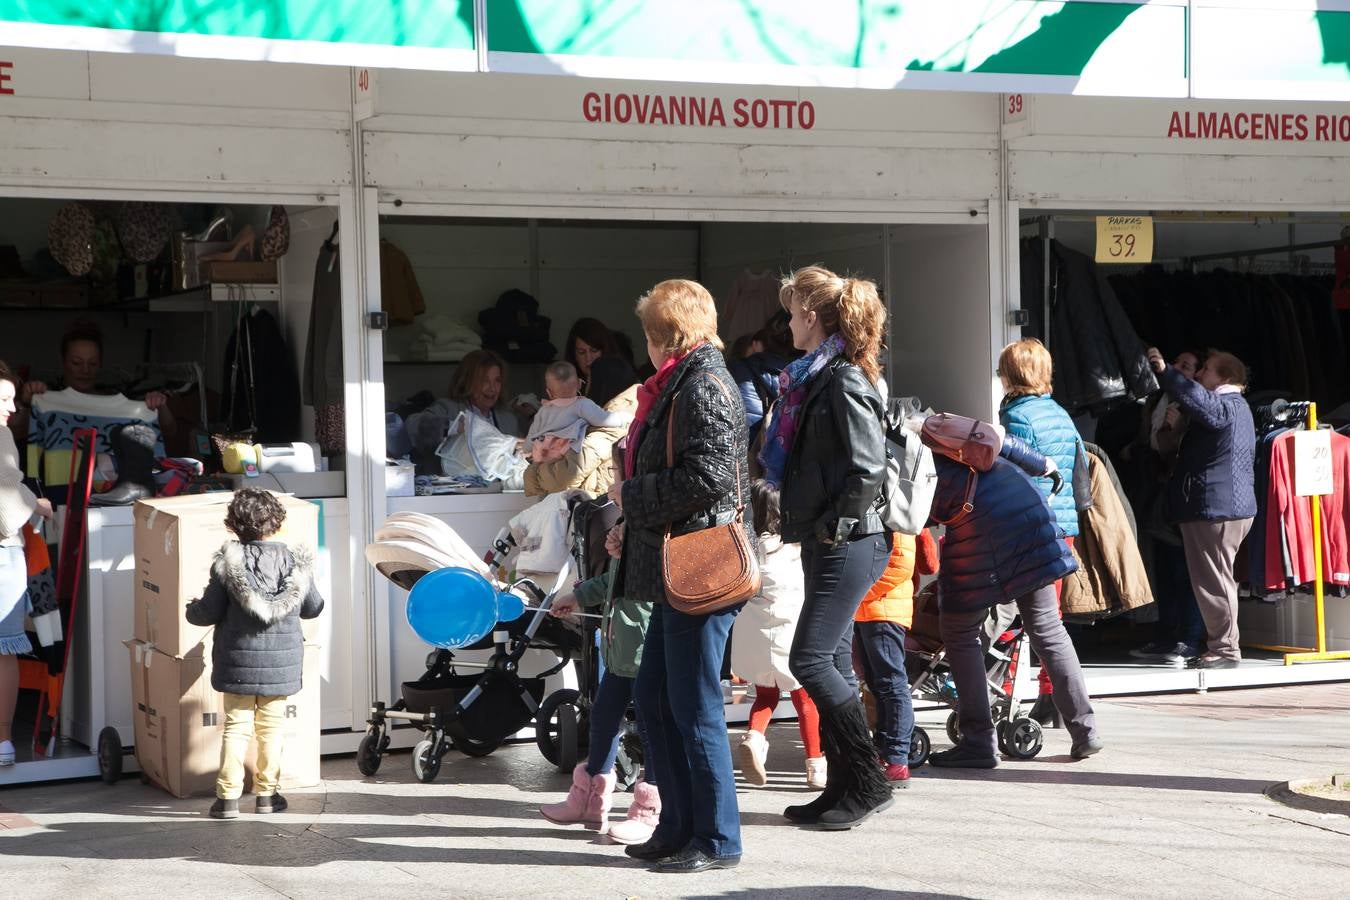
{"x": 258, "y": 593}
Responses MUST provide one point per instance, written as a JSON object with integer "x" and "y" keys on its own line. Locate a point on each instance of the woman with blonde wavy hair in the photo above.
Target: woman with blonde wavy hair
{"x": 826, "y": 451}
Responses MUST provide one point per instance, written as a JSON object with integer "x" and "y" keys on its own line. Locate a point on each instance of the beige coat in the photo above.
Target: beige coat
{"x": 589, "y": 468}
{"x": 1111, "y": 577}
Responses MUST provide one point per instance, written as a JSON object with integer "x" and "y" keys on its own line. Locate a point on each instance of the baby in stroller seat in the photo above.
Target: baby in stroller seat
{"x": 623, "y": 631}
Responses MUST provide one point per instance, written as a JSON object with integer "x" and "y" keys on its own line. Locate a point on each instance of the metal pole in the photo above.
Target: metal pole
{"x": 1047, "y": 236}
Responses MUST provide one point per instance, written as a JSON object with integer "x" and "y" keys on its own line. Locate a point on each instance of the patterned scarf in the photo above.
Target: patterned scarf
{"x": 647, "y": 395}
{"x": 792, "y": 383}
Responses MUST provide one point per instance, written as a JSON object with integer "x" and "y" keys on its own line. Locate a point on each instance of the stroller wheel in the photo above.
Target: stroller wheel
{"x": 368, "y": 755}
{"x": 426, "y": 761}
{"x": 473, "y": 746}
{"x": 954, "y": 728}
{"x": 1024, "y": 738}
{"x": 920, "y": 746}
{"x": 547, "y": 726}
{"x": 569, "y": 745}
{"x": 109, "y": 755}
{"x": 628, "y": 762}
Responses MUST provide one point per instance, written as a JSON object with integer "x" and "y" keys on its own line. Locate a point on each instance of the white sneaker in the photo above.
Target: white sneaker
{"x": 752, "y": 753}
{"x": 6, "y": 753}
{"x": 816, "y": 773}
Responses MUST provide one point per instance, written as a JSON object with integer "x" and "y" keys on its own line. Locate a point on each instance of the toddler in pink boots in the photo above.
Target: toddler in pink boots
{"x": 622, "y": 632}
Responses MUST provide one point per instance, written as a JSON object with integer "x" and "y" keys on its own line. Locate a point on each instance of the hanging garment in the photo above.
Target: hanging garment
{"x": 1111, "y": 577}
{"x": 400, "y": 295}
{"x": 1340, "y": 294}
{"x": 541, "y": 533}
{"x": 1288, "y": 533}
{"x": 323, "y": 385}
{"x": 330, "y": 429}
{"x": 262, "y": 390}
{"x": 752, "y": 302}
{"x": 1098, "y": 356}
{"x": 51, "y": 432}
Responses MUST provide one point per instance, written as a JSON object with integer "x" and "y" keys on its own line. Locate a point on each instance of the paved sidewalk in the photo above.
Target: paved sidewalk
{"x": 1173, "y": 808}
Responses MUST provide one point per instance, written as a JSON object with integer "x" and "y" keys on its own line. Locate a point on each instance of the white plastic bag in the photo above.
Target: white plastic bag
{"x": 474, "y": 446}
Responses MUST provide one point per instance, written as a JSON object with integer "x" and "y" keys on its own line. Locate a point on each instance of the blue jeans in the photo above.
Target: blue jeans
{"x": 837, "y": 579}
{"x": 1178, "y": 614}
{"x": 607, "y": 720}
{"x": 883, "y": 664}
{"x": 679, "y": 696}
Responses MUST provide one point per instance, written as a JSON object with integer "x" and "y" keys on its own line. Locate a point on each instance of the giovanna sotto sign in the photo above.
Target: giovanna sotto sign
{"x": 697, "y": 112}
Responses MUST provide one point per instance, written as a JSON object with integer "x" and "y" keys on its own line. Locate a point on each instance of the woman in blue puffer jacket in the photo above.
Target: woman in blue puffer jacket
{"x": 1004, "y": 546}
{"x": 1031, "y": 414}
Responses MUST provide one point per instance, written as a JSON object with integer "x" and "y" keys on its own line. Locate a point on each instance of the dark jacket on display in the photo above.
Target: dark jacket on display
{"x": 1214, "y": 479}
{"x": 1010, "y": 545}
{"x": 832, "y": 484}
{"x": 258, "y": 593}
{"x": 1047, "y": 428}
{"x": 710, "y": 447}
{"x": 1098, "y": 355}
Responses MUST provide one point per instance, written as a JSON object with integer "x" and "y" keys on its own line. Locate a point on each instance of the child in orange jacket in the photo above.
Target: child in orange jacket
{"x": 883, "y": 617}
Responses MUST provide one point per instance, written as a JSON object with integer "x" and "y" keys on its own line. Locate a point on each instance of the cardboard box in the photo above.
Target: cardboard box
{"x": 176, "y": 539}
{"x": 399, "y": 479}
{"x": 180, "y": 722}
{"x": 239, "y": 272}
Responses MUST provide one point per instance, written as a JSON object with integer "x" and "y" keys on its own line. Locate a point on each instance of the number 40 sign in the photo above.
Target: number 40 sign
{"x": 1125, "y": 239}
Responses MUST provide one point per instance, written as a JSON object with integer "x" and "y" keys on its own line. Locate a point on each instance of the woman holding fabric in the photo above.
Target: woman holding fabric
{"x": 477, "y": 388}
{"x": 678, "y": 689}
{"x": 826, "y": 451}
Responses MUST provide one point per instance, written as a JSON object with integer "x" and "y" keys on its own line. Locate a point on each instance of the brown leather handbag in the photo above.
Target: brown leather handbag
{"x": 713, "y": 568}
{"x": 962, "y": 439}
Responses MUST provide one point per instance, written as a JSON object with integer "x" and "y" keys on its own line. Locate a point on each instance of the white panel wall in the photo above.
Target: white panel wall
{"x": 940, "y": 333}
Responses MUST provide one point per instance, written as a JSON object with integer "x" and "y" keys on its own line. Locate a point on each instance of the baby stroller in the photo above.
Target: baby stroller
{"x": 1019, "y": 735}
{"x": 590, "y": 521}
{"x": 475, "y": 710}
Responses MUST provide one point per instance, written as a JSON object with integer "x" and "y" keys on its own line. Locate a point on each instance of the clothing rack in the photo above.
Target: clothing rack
{"x": 1236, "y": 255}
{"x": 1292, "y": 412}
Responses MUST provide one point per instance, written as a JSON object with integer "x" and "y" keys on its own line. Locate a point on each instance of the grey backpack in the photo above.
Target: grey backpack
{"x": 911, "y": 478}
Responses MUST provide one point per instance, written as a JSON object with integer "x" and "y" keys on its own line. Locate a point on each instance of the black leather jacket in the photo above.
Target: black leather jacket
{"x": 832, "y": 485}
{"x": 710, "y": 447}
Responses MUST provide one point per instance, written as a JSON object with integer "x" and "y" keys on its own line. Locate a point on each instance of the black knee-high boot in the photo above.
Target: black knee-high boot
{"x": 836, "y": 778}
{"x": 866, "y": 789}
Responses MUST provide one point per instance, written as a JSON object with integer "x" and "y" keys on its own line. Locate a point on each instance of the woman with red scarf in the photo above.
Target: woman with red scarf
{"x": 678, "y": 688}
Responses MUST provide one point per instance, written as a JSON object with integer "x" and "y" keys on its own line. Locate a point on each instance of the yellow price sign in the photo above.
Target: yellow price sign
{"x": 1125, "y": 239}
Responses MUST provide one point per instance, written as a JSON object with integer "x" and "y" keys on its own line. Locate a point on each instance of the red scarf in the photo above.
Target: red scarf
{"x": 647, "y": 395}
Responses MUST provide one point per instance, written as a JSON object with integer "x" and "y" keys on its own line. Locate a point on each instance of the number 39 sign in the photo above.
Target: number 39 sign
{"x": 1125, "y": 239}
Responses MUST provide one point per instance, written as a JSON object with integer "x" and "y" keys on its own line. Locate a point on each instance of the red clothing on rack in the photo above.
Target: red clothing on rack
{"x": 1289, "y": 519}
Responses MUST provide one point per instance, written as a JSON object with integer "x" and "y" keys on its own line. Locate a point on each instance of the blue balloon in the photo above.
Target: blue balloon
{"x": 452, "y": 608}
{"x": 509, "y": 607}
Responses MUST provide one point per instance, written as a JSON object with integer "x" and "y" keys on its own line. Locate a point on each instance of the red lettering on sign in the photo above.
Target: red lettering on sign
{"x": 1257, "y": 126}
{"x": 704, "y": 112}
{"x": 5, "y": 77}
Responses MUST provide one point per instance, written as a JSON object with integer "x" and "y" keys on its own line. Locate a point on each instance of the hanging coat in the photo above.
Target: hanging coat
{"x": 262, "y": 388}
{"x": 1111, "y": 578}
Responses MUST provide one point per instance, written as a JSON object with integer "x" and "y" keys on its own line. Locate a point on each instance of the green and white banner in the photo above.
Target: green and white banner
{"x": 1276, "y": 49}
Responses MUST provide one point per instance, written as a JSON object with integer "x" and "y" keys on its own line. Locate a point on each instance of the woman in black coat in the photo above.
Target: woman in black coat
{"x": 826, "y": 450}
{"x": 678, "y": 689}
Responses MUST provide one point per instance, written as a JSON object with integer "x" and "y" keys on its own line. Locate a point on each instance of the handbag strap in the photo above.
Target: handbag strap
{"x": 968, "y": 504}
{"x": 670, "y": 448}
